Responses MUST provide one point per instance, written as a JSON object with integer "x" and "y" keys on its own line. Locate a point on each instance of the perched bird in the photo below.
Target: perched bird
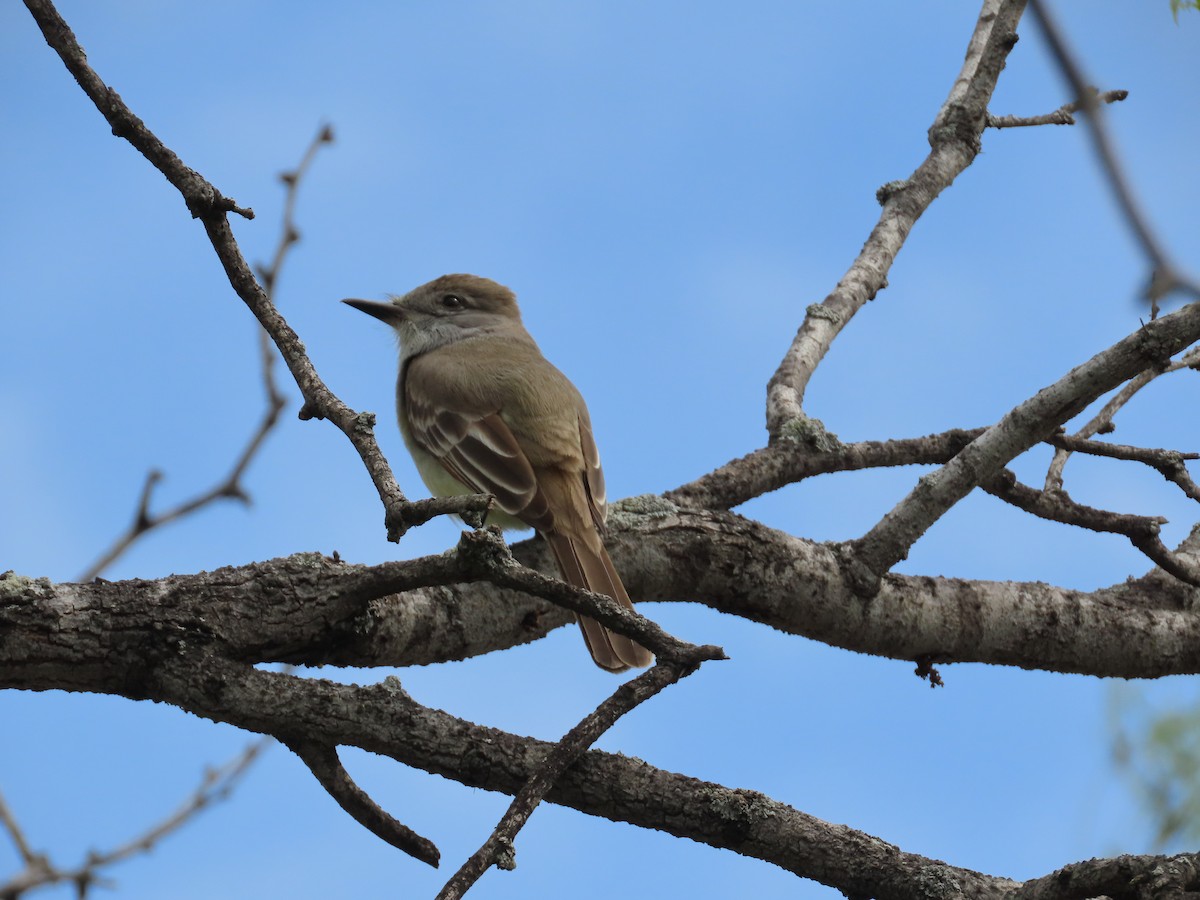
{"x": 482, "y": 411}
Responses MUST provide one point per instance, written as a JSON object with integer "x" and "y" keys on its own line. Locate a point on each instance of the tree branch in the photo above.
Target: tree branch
{"x": 322, "y": 760}
{"x": 1061, "y": 116}
{"x": 498, "y": 849}
{"x": 207, "y": 204}
{"x": 954, "y": 139}
{"x": 216, "y": 785}
{"x": 1034, "y": 420}
{"x": 1102, "y": 422}
{"x": 1165, "y": 277}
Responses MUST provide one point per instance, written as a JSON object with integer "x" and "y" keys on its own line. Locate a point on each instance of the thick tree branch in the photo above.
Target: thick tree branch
{"x": 317, "y": 611}
{"x": 954, "y": 138}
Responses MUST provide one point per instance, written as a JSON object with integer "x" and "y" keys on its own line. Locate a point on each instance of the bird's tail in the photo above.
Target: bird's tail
{"x": 590, "y": 567}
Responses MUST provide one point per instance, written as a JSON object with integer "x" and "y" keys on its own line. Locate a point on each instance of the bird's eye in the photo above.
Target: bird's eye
{"x": 453, "y": 301}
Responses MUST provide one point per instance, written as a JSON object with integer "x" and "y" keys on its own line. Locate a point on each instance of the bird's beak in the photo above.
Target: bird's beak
{"x": 384, "y": 312}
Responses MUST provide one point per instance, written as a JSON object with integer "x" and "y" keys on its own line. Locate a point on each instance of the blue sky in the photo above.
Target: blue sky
{"x": 666, "y": 186}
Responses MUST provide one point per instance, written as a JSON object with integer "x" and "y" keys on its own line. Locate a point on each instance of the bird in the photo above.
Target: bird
{"x": 482, "y": 411}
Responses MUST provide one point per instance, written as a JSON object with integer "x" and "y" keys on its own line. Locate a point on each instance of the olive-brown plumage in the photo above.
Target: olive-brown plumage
{"x": 482, "y": 411}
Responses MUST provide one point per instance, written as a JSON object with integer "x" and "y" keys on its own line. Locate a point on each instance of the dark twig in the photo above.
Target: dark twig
{"x": 322, "y": 760}
{"x": 9, "y": 821}
{"x": 216, "y": 785}
{"x": 498, "y": 849}
{"x": 1102, "y": 422}
{"x": 1061, "y": 116}
{"x": 1165, "y": 277}
{"x": 484, "y": 555}
{"x": 1028, "y": 423}
{"x": 1142, "y": 531}
{"x": 201, "y": 197}
{"x": 207, "y": 204}
{"x": 231, "y": 486}
{"x": 1169, "y": 463}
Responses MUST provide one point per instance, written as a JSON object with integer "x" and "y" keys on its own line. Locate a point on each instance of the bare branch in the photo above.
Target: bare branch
{"x": 1142, "y": 531}
{"x": 1169, "y": 463}
{"x": 9, "y": 821}
{"x": 1019, "y": 429}
{"x": 1061, "y": 116}
{"x": 498, "y": 848}
{"x": 1102, "y": 422}
{"x": 787, "y": 462}
{"x": 322, "y": 760}
{"x": 216, "y": 785}
{"x": 1152, "y": 876}
{"x": 231, "y": 486}
{"x": 954, "y": 138}
{"x": 206, "y": 203}
{"x": 1165, "y": 277}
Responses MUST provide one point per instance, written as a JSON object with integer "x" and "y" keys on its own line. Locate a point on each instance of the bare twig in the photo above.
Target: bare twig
{"x": 954, "y": 139}
{"x": 498, "y": 849}
{"x": 484, "y": 555}
{"x": 1142, "y": 531}
{"x": 1165, "y": 277}
{"x": 1061, "y": 116}
{"x": 9, "y": 821}
{"x": 1027, "y": 424}
{"x": 216, "y": 785}
{"x": 231, "y": 486}
{"x": 207, "y": 204}
{"x": 322, "y": 760}
{"x": 1102, "y": 422}
{"x": 1169, "y": 463}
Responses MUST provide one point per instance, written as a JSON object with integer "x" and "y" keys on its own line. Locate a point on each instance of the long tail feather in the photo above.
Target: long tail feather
{"x": 591, "y": 568}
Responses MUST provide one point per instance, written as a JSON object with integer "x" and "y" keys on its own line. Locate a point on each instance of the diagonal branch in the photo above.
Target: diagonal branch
{"x": 498, "y": 849}
{"x": 1102, "y": 422}
{"x": 1165, "y": 276}
{"x": 322, "y": 760}
{"x": 231, "y": 486}
{"x": 1030, "y": 422}
{"x": 954, "y": 139}
{"x": 216, "y": 785}
{"x": 207, "y": 204}
{"x": 1168, "y": 463}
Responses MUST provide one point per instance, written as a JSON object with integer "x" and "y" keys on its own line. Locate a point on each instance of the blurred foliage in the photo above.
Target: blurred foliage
{"x": 1158, "y": 751}
{"x": 1177, "y": 5}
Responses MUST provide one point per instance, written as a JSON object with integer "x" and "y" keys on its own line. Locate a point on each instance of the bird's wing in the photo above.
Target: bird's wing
{"x": 593, "y": 474}
{"x": 480, "y": 450}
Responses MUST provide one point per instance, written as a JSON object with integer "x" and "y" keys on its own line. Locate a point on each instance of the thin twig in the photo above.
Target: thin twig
{"x": 216, "y": 785}
{"x": 208, "y": 205}
{"x": 1064, "y": 115}
{"x": 1165, "y": 277}
{"x": 498, "y": 849}
{"x": 230, "y": 487}
{"x": 9, "y": 821}
{"x": 1169, "y": 463}
{"x": 1102, "y": 422}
